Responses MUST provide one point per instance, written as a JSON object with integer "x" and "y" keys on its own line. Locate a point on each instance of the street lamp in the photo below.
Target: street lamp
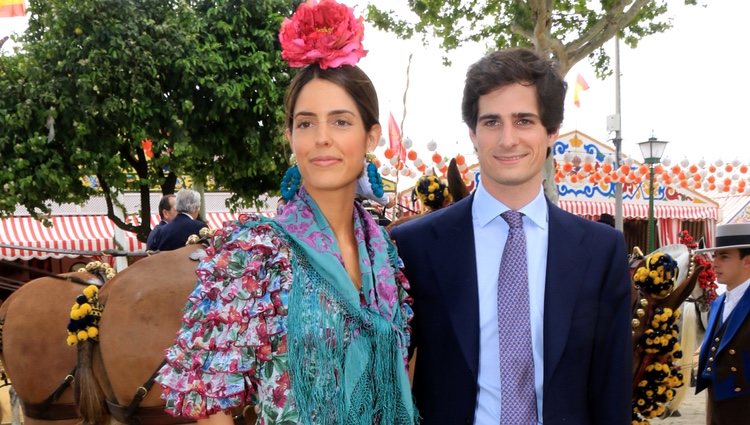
{"x": 652, "y": 150}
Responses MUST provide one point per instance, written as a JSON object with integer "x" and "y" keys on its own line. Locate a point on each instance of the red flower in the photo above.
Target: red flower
{"x": 322, "y": 32}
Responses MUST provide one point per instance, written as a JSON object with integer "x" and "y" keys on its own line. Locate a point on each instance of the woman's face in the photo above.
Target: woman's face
{"x": 328, "y": 138}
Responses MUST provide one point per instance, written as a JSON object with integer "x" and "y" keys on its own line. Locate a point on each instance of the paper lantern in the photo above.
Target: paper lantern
{"x": 381, "y": 142}
{"x": 411, "y": 155}
{"x": 743, "y": 168}
{"x": 436, "y": 158}
{"x": 728, "y": 168}
{"x": 684, "y": 163}
{"x": 408, "y": 143}
{"x": 460, "y": 160}
{"x": 693, "y": 169}
{"x": 388, "y": 154}
{"x": 431, "y": 145}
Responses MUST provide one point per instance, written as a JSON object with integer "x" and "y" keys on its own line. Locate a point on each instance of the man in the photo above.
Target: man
{"x": 527, "y": 320}
{"x": 176, "y": 233}
{"x": 724, "y": 363}
{"x": 167, "y": 213}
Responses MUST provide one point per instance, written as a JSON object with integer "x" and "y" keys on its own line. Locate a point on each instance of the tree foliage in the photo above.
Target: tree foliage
{"x": 202, "y": 80}
{"x": 567, "y": 30}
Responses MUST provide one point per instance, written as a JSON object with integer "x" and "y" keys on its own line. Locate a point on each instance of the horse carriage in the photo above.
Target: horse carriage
{"x": 110, "y": 381}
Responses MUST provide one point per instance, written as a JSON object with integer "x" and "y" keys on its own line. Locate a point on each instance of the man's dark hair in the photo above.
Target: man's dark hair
{"x": 522, "y": 66}
{"x": 607, "y": 219}
{"x": 164, "y": 205}
{"x": 744, "y": 252}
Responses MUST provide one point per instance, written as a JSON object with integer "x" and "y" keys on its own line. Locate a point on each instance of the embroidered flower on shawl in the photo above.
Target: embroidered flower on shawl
{"x": 322, "y": 32}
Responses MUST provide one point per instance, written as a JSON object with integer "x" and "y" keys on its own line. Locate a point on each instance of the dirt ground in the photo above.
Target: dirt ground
{"x": 692, "y": 411}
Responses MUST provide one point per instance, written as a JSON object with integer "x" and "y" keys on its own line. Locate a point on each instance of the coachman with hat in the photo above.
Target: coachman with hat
{"x": 724, "y": 365}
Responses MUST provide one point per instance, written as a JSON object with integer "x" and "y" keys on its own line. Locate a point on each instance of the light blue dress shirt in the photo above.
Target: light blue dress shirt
{"x": 490, "y": 234}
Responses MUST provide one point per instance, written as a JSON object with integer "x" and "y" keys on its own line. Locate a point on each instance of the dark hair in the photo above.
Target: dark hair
{"x": 165, "y": 205}
{"x": 607, "y": 219}
{"x": 351, "y": 78}
{"x": 744, "y": 252}
{"x": 522, "y": 66}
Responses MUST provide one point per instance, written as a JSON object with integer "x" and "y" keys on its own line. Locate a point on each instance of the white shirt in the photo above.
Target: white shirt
{"x": 490, "y": 234}
{"x": 733, "y": 297}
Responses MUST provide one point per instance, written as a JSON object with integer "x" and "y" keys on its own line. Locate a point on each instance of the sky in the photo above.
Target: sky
{"x": 674, "y": 86}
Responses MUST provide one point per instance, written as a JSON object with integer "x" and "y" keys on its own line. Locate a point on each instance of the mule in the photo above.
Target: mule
{"x": 36, "y": 357}
{"x": 113, "y": 377}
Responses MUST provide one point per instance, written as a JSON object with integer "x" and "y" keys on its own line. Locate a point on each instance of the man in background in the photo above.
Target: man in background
{"x": 175, "y": 234}
{"x": 724, "y": 363}
{"x": 167, "y": 212}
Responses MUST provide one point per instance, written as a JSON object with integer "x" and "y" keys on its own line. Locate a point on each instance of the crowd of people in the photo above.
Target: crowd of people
{"x": 516, "y": 311}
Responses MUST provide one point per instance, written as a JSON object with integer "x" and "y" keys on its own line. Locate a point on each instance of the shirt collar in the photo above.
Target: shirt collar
{"x": 735, "y": 294}
{"x": 486, "y": 208}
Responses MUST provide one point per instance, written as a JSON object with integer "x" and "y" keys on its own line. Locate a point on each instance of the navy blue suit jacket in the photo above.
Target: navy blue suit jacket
{"x": 730, "y": 374}
{"x": 175, "y": 234}
{"x": 587, "y": 335}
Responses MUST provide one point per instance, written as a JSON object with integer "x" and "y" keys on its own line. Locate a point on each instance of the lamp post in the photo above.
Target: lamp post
{"x": 652, "y": 150}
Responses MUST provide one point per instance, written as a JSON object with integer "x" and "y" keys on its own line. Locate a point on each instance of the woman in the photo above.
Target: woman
{"x": 306, "y": 315}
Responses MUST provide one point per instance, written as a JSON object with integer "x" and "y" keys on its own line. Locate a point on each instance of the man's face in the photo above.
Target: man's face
{"x": 510, "y": 140}
{"x": 170, "y": 214}
{"x": 730, "y": 269}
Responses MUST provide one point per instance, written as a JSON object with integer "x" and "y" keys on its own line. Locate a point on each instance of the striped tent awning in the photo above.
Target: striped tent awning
{"x": 640, "y": 210}
{"x": 76, "y": 233}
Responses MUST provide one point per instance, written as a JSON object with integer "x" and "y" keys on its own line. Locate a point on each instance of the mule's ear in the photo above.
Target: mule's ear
{"x": 456, "y": 186}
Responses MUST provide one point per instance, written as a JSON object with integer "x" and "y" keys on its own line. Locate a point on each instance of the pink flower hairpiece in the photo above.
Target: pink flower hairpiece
{"x": 323, "y": 32}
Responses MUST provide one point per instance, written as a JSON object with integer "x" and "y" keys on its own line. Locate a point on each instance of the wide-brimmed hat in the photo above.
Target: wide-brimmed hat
{"x": 731, "y": 236}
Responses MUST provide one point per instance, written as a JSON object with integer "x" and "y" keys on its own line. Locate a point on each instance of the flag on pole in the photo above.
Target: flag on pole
{"x": 11, "y": 8}
{"x": 394, "y": 136}
{"x": 581, "y": 85}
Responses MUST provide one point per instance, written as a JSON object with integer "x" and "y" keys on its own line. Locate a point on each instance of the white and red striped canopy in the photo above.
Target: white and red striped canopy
{"x": 77, "y": 233}
{"x": 639, "y": 210}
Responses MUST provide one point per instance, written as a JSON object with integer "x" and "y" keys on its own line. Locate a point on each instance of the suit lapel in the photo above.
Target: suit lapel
{"x": 564, "y": 268}
{"x": 736, "y": 319}
{"x": 454, "y": 263}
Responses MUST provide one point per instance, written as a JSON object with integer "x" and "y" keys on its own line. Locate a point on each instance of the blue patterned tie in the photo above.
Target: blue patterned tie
{"x": 518, "y": 405}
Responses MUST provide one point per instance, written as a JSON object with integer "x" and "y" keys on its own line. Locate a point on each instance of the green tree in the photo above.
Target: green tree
{"x": 237, "y": 95}
{"x": 94, "y": 78}
{"x": 568, "y": 31}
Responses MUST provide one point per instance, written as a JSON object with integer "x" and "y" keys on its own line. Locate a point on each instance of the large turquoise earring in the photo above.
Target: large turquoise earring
{"x": 373, "y": 176}
{"x": 291, "y": 180}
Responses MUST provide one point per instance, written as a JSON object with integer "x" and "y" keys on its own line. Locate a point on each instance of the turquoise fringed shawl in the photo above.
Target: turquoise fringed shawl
{"x": 346, "y": 358}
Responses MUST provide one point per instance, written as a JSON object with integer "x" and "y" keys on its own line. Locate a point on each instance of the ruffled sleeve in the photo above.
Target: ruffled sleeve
{"x": 234, "y": 320}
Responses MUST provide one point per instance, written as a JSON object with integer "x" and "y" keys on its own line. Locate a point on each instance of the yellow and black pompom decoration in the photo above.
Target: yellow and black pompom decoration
{"x": 657, "y": 277}
{"x": 84, "y": 316}
{"x": 661, "y": 378}
{"x": 432, "y": 192}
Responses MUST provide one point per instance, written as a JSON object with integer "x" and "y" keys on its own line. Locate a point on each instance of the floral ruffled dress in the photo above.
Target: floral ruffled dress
{"x": 232, "y": 348}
